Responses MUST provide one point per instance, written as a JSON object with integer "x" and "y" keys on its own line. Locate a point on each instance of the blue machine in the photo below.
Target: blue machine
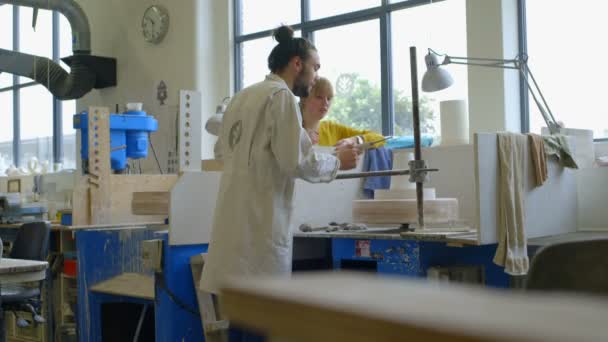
{"x": 128, "y": 136}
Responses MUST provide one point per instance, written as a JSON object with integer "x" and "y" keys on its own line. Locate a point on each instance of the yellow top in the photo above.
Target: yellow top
{"x": 330, "y": 132}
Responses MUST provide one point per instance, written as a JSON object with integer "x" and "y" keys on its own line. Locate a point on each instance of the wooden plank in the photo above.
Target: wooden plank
{"x": 99, "y": 164}
{"x": 122, "y": 189}
{"x": 212, "y": 165}
{"x": 359, "y": 307}
{"x": 215, "y": 329}
{"x": 81, "y": 210}
{"x": 150, "y": 203}
{"x": 135, "y": 285}
{"x": 404, "y": 211}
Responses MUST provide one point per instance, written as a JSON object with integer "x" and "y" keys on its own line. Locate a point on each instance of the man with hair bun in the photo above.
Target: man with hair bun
{"x": 264, "y": 149}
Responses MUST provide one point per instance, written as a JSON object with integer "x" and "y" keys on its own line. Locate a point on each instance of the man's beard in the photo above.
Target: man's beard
{"x": 300, "y": 88}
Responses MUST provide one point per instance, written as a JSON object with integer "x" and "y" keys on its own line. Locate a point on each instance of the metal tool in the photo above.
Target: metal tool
{"x": 332, "y": 227}
{"x": 420, "y": 173}
{"x": 306, "y": 228}
{"x": 368, "y": 145}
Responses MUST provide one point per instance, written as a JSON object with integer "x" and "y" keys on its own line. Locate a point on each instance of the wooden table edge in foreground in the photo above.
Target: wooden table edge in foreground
{"x": 336, "y": 306}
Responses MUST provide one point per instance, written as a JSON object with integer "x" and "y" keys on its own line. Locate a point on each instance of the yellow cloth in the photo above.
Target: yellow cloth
{"x": 512, "y": 250}
{"x": 330, "y": 132}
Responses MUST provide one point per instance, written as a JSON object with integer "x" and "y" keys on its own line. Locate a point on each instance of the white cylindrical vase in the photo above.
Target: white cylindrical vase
{"x": 454, "y": 118}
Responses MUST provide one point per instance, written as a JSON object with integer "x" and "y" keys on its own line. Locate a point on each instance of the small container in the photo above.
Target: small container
{"x": 69, "y": 267}
{"x": 66, "y": 218}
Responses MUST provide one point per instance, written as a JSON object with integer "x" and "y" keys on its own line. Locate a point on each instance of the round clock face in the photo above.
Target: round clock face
{"x": 155, "y": 24}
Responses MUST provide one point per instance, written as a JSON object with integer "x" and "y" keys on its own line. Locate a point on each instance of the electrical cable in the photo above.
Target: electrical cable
{"x": 155, "y": 157}
{"x": 163, "y": 285}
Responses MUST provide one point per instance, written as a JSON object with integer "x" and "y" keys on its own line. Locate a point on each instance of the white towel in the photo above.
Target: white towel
{"x": 512, "y": 248}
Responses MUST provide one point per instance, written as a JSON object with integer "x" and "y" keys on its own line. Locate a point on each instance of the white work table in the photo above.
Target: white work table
{"x": 19, "y": 271}
{"x": 568, "y": 237}
{"x": 358, "y": 307}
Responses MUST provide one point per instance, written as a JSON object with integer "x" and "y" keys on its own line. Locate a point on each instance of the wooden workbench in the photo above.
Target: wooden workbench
{"x": 355, "y": 307}
{"x": 393, "y": 233}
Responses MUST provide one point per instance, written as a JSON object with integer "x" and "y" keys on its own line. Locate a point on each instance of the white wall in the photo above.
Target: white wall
{"x": 193, "y": 55}
{"x": 592, "y": 199}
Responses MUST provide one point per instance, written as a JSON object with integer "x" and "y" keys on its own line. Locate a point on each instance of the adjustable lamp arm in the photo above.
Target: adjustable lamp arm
{"x": 521, "y": 64}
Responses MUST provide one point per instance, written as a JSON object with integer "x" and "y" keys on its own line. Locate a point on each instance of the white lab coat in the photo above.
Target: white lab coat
{"x": 264, "y": 149}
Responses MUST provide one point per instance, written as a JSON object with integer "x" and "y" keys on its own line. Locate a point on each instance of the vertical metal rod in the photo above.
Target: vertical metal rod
{"x": 416, "y": 123}
{"x": 16, "y": 95}
{"x": 388, "y": 112}
{"x": 57, "y": 105}
{"x": 140, "y": 322}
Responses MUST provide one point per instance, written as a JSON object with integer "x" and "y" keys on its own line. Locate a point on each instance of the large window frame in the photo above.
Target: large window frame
{"x": 523, "y": 48}
{"x": 16, "y": 87}
{"x": 382, "y": 13}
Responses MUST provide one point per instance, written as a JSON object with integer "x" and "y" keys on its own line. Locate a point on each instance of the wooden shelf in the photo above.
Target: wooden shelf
{"x": 128, "y": 284}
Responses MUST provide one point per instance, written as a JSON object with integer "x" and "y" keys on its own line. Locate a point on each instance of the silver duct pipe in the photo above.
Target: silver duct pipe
{"x": 63, "y": 85}
{"x": 87, "y": 71}
{"x": 81, "y": 31}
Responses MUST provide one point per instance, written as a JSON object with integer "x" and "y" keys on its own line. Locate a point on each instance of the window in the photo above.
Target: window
{"x": 356, "y": 78}
{"x": 255, "y": 59}
{"x": 6, "y": 40}
{"x": 255, "y": 16}
{"x": 29, "y": 111}
{"x": 6, "y": 130}
{"x": 324, "y": 8}
{"x": 449, "y": 38}
{"x": 364, "y": 51}
{"x": 67, "y": 108}
{"x": 557, "y": 51}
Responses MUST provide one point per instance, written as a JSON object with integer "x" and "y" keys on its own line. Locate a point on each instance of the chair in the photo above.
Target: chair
{"x": 31, "y": 243}
{"x": 579, "y": 266}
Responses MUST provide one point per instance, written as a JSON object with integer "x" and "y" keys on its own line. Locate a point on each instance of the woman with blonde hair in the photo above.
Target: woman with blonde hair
{"x": 326, "y": 132}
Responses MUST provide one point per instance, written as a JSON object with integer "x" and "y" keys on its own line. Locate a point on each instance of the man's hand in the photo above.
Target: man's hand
{"x": 348, "y": 157}
{"x": 348, "y": 142}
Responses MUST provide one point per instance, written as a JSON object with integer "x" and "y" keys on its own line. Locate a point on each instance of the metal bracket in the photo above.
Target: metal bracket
{"x": 190, "y": 129}
{"x": 419, "y": 171}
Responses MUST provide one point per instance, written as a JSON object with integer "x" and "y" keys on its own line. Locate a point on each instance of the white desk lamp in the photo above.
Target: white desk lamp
{"x": 213, "y": 124}
{"x": 436, "y": 78}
